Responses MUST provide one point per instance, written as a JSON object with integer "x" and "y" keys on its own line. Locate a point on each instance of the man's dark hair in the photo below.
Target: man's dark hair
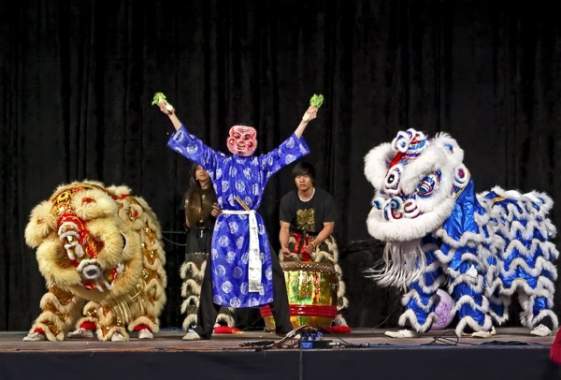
{"x": 304, "y": 168}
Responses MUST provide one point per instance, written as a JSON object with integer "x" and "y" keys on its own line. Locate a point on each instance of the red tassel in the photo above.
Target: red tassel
{"x": 555, "y": 351}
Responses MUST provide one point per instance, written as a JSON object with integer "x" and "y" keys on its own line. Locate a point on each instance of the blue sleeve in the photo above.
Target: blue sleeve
{"x": 192, "y": 148}
{"x": 286, "y": 153}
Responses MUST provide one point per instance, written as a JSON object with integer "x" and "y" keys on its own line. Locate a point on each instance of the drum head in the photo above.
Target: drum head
{"x": 308, "y": 266}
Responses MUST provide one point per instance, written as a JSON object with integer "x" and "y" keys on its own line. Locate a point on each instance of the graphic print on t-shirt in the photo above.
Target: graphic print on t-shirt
{"x": 305, "y": 219}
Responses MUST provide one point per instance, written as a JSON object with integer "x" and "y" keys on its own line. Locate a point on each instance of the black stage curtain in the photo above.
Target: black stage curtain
{"x": 77, "y": 78}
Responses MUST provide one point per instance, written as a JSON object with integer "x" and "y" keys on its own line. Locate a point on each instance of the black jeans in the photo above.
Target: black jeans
{"x": 208, "y": 310}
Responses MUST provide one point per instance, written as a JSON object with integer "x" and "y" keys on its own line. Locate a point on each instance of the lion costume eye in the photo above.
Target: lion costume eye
{"x": 391, "y": 182}
{"x": 427, "y": 185}
{"x": 377, "y": 202}
{"x": 401, "y": 142}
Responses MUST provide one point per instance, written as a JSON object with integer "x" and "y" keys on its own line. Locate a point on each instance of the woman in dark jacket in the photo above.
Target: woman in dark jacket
{"x": 201, "y": 210}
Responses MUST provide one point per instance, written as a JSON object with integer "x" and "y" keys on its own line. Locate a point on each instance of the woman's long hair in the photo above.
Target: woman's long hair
{"x": 195, "y": 189}
{"x": 194, "y": 185}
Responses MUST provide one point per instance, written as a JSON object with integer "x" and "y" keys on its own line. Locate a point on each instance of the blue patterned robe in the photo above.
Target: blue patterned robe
{"x": 246, "y": 178}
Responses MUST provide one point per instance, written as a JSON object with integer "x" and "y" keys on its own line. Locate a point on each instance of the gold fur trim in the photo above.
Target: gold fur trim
{"x": 190, "y": 303}
{"x": 50, "y": 301}
{"x": 54, "y": 265}
{"x": 152, "y": 325}
{"x": 93, "y": 204}
{"x": 133, "y": 244}
{"x": 90, "y": 309}
{"x": 106, "y": 232}
{"x": 105, "y": 333}
{"x": 51, "y": 324}
{"x": 119, "y": 191}
{"x": 49, "y": 334}
{"x": 191, "y": 319}
{"x": 41, "y": 224}
{"x": 226, "y": 318}
{"x": 190, "y": 287}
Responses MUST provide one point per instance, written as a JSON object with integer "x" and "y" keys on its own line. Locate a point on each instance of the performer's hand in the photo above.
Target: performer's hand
{"x": 215, "y": 210}
{"x": 310, "y": 114}
{"x": 159, "y": 100}
{"x": 312, "y": 245}
{"x": 287, "y": 254}
{"x": 166, "y": 108}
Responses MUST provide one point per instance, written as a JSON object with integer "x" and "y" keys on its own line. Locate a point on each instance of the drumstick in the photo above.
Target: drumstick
{"x": 241, "y": 203}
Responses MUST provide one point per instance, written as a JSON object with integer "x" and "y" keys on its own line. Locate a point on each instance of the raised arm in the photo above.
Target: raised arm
{"x": 294, "y": 147}
{"x": 166, "y": 108}
{"x": 185, "y": 143}
{"x": 309, "y": 115}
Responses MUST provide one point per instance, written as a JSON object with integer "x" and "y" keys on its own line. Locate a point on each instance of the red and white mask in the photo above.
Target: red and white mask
{"x": 242, "y": 140}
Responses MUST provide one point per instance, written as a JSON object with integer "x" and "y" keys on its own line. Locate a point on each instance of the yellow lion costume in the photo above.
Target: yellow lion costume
{"x": 99, "y": 249}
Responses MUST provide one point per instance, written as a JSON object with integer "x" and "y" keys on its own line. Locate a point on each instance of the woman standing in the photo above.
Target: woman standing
{"x": 201, "y": 211}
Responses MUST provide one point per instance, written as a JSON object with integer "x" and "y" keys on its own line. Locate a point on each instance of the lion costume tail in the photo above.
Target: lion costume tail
{"x": 524, "y": 255}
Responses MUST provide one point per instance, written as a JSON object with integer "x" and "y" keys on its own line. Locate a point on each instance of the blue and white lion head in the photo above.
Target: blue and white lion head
{"x": 416, "y": 182}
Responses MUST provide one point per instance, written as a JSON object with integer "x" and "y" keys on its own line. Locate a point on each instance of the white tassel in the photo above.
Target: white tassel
{"x": 404, "y": 262}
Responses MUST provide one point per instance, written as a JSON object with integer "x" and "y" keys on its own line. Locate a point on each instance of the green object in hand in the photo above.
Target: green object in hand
{"x": 316, "y": 100}
{"x": 158, "y": 98}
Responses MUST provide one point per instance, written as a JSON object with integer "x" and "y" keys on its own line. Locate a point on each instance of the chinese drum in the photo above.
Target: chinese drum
{"x": 312, "y": 295}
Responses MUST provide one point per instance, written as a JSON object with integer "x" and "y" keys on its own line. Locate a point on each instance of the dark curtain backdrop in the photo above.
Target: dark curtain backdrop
{"x": 77, "y": 78}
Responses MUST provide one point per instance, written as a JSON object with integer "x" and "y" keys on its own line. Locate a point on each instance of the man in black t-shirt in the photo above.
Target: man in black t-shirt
{"x": 307, "y": 219}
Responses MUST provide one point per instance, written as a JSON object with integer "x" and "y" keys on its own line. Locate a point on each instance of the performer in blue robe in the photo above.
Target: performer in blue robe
{"x": 242, "y": 266}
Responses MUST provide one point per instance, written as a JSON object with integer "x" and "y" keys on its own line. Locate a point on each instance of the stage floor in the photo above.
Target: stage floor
{"x": 170, "y": 340}
{"x": 511, "y": 354}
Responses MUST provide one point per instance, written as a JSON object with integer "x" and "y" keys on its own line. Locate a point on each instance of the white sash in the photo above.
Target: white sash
{"x": 254, "y": 262}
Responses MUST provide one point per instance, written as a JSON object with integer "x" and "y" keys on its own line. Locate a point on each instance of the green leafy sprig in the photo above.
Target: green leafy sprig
{"x": 158, "y": 98}
{"x": 316, "y": 100}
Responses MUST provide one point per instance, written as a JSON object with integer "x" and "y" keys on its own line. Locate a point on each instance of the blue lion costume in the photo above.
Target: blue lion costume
{"x": 482, "y": 249}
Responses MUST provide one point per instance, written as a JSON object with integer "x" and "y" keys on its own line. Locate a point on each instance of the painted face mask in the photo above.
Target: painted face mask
{"x": 242, "y": 140}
